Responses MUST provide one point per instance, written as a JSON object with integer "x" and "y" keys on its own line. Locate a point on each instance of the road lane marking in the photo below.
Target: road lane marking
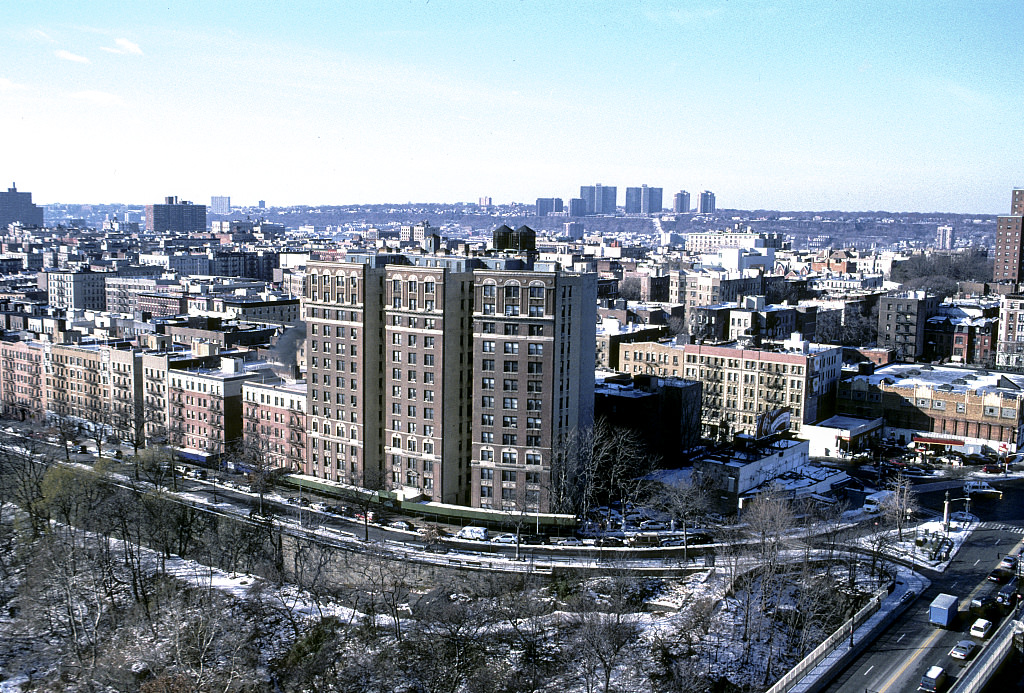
{"x": 977, "y": 561}
{"x": 869, "y": 669}
{"x": 929, "y": 641}
{"x": 901, "y": 637}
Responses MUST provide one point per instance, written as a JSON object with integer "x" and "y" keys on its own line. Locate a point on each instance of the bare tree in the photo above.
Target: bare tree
{"x": 899, "y": 507}
{"x": 683, "y": 502}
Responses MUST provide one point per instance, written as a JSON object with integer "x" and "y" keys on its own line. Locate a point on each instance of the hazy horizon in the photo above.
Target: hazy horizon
{"x": 787, "y": 105}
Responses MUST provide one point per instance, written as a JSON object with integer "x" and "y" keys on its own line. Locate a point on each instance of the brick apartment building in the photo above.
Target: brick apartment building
{"x": 738, "y": 384}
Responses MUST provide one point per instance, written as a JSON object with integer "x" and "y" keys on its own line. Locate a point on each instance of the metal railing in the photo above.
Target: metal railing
{"x": 819, "y": 653}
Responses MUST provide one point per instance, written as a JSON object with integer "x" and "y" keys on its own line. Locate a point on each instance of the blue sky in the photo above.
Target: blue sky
{"x": 899, "y": 106}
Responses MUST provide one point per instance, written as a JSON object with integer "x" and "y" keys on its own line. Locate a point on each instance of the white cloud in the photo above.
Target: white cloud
{"x": 68, "y": 55}
{"x": 41, "y": 35}
{"x": 124, "y": 47}
{"x": 99, "y": 98}
{"x": 8, "y": 85}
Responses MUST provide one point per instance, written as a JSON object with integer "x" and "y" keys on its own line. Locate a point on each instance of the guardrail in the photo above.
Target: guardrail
{"x": 819, "y": 653}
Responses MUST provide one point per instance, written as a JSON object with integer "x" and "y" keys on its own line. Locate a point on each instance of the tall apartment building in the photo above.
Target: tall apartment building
{"x": 398, "y": 369}
{"x": 738, "y": 384}
{"x": 643, "y": 200}
{"x": 76, "y": 290}
{"x": 17, "y": 207}
{"x": 220, "y": 204}
{"x": 681, "y": 202}
{"x": 533, "y": 360}
{"x": 175, "y": 216}
{"x": 549, "y": 205}
{"x": 599, "y": 199}
{"x": 945, "y": 237}
{"x": 577, "y": 207}
{"x": 1009, "y": 257}
{"x": 707, "y": 202}
{"x": 902, "y": 319}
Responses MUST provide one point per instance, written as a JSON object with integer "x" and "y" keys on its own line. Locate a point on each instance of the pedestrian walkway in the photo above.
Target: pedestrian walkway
{"x": 909, "y": 586}
{"x": 1002, "y": 527}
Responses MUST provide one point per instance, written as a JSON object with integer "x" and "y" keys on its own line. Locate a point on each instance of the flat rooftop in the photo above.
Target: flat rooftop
{"x": 948, "y": 378}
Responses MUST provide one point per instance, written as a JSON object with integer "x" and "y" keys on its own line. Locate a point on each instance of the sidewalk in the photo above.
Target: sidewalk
{"x": 892, "y": 606}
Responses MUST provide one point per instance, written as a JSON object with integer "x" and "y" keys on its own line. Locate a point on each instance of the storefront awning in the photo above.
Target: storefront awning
{"x": 937, "y": 441}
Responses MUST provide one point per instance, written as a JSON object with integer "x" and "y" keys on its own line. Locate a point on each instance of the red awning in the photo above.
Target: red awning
{"x": 937, "y": 441}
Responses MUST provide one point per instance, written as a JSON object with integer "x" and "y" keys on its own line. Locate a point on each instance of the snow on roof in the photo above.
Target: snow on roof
{"x": 948, "y": 378}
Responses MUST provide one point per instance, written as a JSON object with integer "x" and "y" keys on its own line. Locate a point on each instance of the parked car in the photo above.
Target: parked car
{"x": 1008, "y": 563}
{"x": 963, "y": 649}
{"x": 567, "y": 541}
{"x": 981, "y": 628}
{"x": 992, "y": 469}
{"x": 504, "y": 539}
{"x": 654, "y": 525}
{"x": 609, "y": 541}
{"x": 403, "y": 525}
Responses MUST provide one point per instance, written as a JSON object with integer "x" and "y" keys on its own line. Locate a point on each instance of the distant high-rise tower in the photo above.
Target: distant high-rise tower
{"x": 650, "y": 200}
{"x": 600, "y": 199}
{"x": 632, "y": 204}
{"x": 681, "y": 204}
{"x": 643, "y": 200}
{"x": 549, "y": 205}
{"x": 1008, "y": 265}
{"x": 18, "y": 207}
{"x": 262, "y": 204}
{"x": 707, "y": 202}
{"x": 945, "y": 237}
{"x": 485, "y": 201}
{"x": 577, "y": 207}
{"x": 220, "y": 205}
{"x": 182, "y": 217}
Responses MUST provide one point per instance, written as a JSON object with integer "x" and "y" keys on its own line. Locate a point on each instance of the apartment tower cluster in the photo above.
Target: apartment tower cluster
{"x": 444, "y": 377}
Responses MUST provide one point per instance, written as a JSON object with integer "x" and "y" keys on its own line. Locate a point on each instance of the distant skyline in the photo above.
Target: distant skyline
{"x": 902, "y": 107}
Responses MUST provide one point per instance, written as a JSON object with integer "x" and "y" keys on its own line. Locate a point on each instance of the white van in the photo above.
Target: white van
{"x": 472, "y": 533}
{"x": 874, "y": 502}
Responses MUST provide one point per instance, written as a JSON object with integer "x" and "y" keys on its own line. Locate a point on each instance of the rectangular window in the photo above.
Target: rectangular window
{"x": 535, "y": 349}
{"x": 487, "y": 384}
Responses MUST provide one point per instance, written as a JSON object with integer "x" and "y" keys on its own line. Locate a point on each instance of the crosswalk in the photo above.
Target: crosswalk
{"x": 1002, "y": 527}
